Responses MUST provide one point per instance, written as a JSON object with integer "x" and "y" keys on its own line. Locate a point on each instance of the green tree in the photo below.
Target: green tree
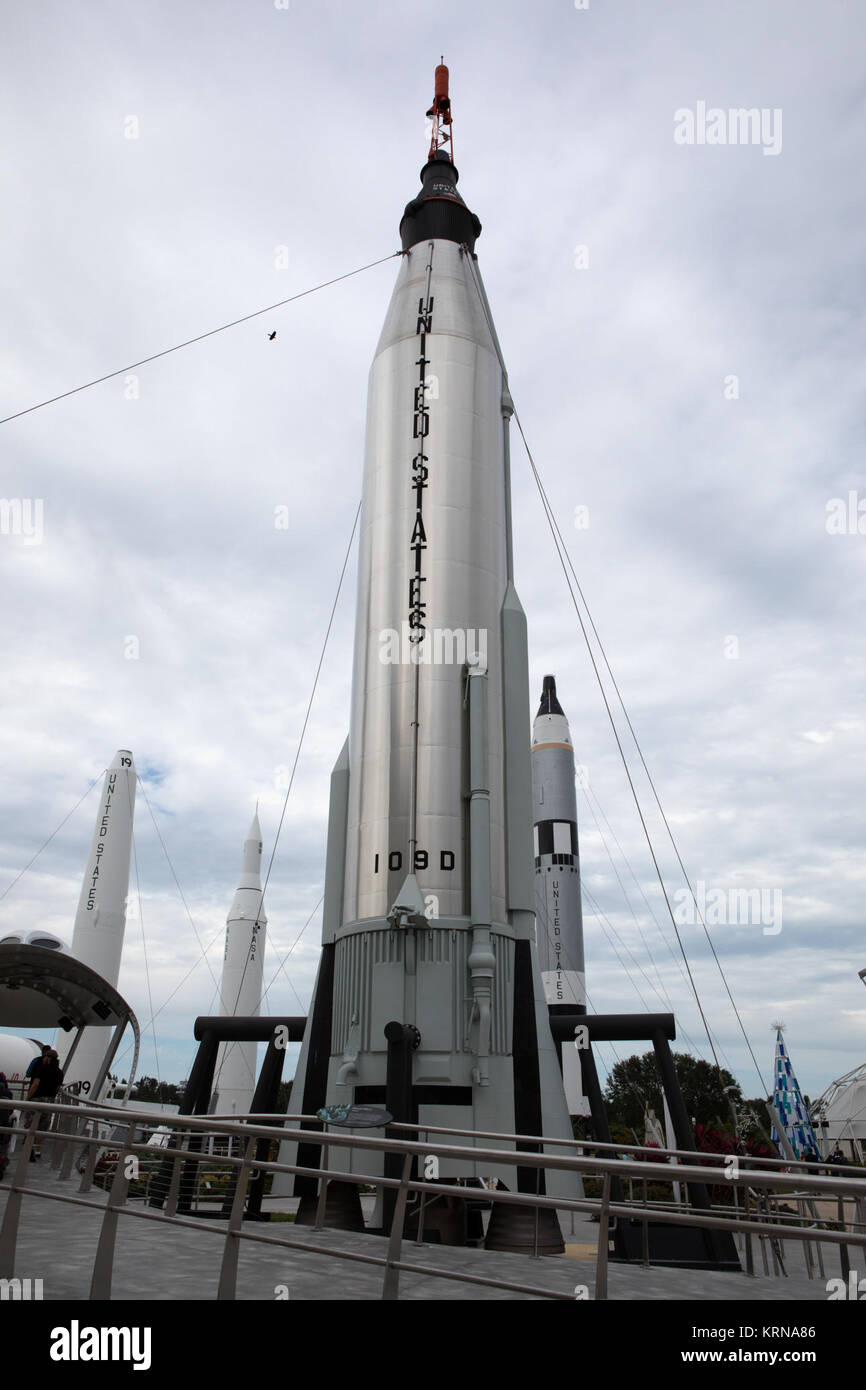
{"x": 637, "y": 1080}
{"x": 163, "y": 1092}
{"x": 632, "y": 1082}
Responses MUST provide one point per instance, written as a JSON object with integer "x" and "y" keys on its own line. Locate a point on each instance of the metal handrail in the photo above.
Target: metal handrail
{"x": 663, "y": 1172}
{"x": 185, "y": 1125}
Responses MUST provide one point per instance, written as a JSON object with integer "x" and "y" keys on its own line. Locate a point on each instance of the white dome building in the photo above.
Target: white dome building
{"x": 843, "y": 1108}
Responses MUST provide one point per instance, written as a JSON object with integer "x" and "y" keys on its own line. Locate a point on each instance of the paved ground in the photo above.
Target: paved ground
{"x": 155, "y": 1261}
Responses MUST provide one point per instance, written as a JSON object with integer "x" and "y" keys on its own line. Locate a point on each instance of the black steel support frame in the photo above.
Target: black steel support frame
{"x": 209, "y": 1032}
{"x": 658, "y": 1029}
{"x": 402, "y": 1040}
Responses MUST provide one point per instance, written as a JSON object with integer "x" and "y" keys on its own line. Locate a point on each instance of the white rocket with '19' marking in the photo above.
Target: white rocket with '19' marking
{"x": 100, "y": 921}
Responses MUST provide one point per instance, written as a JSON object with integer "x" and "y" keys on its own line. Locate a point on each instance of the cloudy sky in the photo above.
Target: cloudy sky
{"x": 684, "y": 334}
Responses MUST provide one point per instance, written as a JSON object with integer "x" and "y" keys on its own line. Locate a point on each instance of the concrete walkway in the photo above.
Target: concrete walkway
{"x": 157, "y": 1261}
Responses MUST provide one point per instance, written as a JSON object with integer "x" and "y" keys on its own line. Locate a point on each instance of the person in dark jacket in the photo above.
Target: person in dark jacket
{"x": 46, "y": 1082}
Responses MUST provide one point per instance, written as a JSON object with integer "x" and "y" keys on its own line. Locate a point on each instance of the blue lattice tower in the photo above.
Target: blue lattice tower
{"x": 789, "y": 1103}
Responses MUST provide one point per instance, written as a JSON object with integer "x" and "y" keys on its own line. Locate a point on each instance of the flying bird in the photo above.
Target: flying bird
{"x": 271, "y": 336}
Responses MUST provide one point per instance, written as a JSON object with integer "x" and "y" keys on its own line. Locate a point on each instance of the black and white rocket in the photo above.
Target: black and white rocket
{"x": 241, "y": 985}
{"x": 559, "y": 919}
{"x": 429, "y": 910}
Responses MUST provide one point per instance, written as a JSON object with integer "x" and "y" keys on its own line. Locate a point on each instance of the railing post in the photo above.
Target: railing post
{"x": 89, "y": 1167}
{"x": 53, "y": 1138}
{"x": 323, "y": 1192}
{"x": 777, "y": 1268}
{"x": 536, "y": 1213}
{"x": 645, "y": 1230}
{"x": 750, "y": 1253}
{"x": 419, "y": 1234}
{"x": 603, "y": 1242}
{"x": 762, "y": 1240}
{"x": 807, "y": 1244}
{"x": 75, "y": 1129}
{"x": 422, "y": 1206}
{"x": 170, "y": 1205}
{"x": 735, "y": 1195}
{"x": 391, "y": 1282}
{"x": 103, "y": 1265}
{"x": 229, "y": 1268}
{"x": 9, "y": 1229}
{"x": 843, "y": 1249}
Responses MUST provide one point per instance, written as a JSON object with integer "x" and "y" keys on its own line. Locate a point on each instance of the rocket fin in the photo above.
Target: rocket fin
{"x": 310, "y": 1082}
{"x": 518, "y": 773}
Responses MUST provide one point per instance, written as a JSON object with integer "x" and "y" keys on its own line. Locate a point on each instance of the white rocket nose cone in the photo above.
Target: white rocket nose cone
{"x": 550, "y": 728}
{"x": 252, "y": 855}
{"x": 123, "y": 760}
{"x": 550, "y": 725}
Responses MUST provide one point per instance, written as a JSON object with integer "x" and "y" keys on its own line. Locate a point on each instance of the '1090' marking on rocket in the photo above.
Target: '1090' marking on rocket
{"x": 420, "y": 861}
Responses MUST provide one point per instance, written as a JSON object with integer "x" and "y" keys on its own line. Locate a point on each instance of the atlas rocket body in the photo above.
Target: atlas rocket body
{"x": 100, "y": 921}
{"x": 559, "y": 919}
{"x": 241, "y": 985}
{"x": 429, "y": 894}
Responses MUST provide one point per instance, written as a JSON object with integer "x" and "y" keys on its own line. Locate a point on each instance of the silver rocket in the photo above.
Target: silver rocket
{"x": 100, "y": 922}
{"x": 241, "y": 985}
{"x": 429, "y": 894}
{"x": 559, "y": 919}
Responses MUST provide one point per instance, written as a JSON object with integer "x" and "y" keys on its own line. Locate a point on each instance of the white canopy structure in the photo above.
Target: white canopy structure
{"x": 42, "y": 988}
{"x": 839, "y": 1115}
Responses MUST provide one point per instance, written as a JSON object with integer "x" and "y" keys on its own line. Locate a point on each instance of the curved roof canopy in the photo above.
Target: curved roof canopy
{"x": 43, "y": 988}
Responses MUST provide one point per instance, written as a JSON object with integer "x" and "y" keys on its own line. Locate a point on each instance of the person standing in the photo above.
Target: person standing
{"x": 46, "y": 1082}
